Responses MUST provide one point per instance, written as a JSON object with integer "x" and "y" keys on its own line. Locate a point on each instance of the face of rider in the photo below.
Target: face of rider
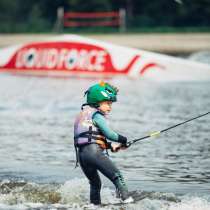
{"x": 105, "y": 106}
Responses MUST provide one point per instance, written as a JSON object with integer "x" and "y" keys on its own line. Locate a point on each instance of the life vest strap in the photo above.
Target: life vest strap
{"x": 90, "y": 134}
{"x": 86, "y": 133}
{"x": 98, "y": 139}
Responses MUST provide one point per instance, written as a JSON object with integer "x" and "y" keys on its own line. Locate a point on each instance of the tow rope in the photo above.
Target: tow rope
{"x": 155, "y": 133}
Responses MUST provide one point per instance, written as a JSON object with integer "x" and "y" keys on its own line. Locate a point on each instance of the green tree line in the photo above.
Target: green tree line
{"x": 40, "y": 15}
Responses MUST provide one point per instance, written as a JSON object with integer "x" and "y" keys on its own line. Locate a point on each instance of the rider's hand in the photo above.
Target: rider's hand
{"x": 124, "y": 146}
{"x": 115, "y": 147}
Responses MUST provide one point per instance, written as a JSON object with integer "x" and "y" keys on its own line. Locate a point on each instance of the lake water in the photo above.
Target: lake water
{"x": 37, "y": 155}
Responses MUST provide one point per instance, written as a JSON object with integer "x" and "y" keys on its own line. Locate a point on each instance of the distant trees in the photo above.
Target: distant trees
{"x": 40, "y": 15}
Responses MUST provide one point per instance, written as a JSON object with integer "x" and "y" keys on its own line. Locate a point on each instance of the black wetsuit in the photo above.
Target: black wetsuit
{"x": 90, "y": 126}
{"x": 93, "y": 159}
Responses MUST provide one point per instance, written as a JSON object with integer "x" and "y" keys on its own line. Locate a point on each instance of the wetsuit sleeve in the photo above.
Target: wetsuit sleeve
{"x": 101, "y": 123}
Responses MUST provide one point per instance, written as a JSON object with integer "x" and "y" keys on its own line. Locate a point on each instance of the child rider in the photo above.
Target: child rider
{"x": 91, "y": 133}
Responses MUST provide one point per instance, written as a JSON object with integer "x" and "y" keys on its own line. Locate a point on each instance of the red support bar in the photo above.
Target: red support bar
{"x": 99, "y": 23}
{"x": 90, "y": 14}
{"x": 77, "y": 19}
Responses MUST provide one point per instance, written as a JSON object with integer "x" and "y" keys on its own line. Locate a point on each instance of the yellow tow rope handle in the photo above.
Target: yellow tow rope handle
{"x": 156, "y": 133}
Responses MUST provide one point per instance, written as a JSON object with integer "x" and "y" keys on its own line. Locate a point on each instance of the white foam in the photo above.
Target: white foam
{"x": 195, "y": 203}
{"x": 75, "y": 195}
{"x": 108, "y": 196}
{"x": 74, "y": 191}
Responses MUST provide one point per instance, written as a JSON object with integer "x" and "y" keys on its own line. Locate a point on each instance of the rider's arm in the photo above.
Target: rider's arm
{"x": 101, "y": 122}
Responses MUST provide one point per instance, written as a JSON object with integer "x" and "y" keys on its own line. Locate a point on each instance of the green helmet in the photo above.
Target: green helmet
{"x": 101, "y": 92}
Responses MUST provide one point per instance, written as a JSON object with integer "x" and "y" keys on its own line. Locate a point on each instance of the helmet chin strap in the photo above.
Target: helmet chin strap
{"x": 84, "y": 105}
{"x": 86, "y": 92}
{"x": 92, "y": 105}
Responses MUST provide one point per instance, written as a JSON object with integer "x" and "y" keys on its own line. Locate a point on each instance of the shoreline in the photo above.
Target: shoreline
{"x": 170, "y": 43}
